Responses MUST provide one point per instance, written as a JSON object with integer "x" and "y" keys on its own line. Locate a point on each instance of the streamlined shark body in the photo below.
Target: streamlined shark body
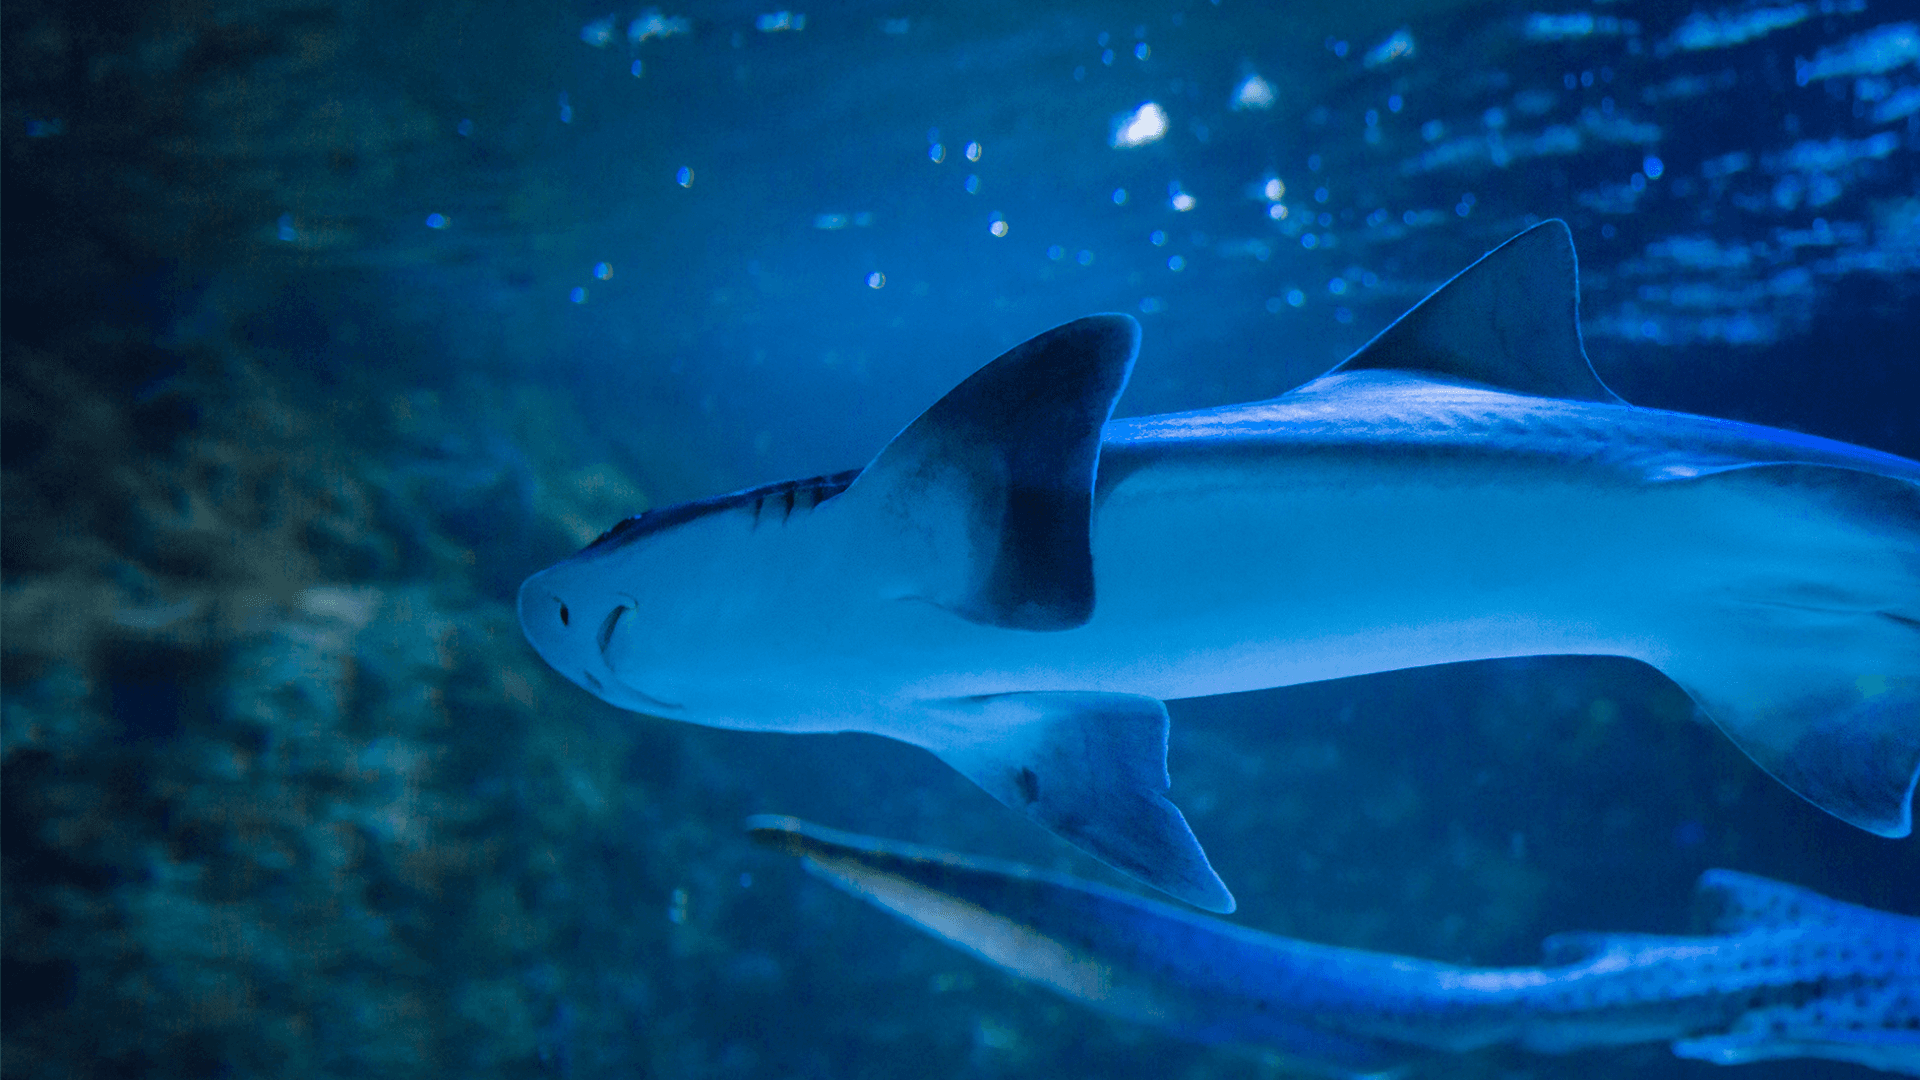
{"x": 1780, "y": 972}
{"x": 1017, "y": 582}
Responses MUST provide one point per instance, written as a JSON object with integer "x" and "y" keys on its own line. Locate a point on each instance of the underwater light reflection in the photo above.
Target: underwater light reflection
{"x": 1146, "y": 124}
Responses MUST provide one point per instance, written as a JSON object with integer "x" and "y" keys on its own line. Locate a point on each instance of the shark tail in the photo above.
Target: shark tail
{"x": 1812, "y": 664}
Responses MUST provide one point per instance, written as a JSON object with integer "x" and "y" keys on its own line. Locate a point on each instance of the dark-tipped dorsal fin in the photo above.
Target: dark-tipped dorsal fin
{"x": 1511, "y": 321}
{"x": 990, "y": 491}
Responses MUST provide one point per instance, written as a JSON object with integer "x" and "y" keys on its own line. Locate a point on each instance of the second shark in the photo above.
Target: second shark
{"x": 1781, "y": 972}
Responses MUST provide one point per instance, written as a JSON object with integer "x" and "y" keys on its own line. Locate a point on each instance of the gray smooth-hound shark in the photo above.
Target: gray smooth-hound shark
{"x": 1781, "y": 972}
{"x": 1017, "y": 582}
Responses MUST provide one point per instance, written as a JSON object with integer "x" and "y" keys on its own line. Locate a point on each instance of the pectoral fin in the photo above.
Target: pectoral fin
{"x": 1092, "y": 768}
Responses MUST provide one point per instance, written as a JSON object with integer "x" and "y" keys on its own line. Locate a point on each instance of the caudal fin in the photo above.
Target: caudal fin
{"x": 1092, "y": 768}
{"x": 1811, "y": 661}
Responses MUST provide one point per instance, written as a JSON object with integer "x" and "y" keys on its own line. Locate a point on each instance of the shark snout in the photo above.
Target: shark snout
{"x": 540, "y": 610}
{"x": 556, "y": 624}
{"x": 575, "y": 629}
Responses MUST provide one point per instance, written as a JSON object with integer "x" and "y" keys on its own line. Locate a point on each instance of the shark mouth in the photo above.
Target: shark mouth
{"x": 605, "y": 633}
{"x": 604, "y": 638}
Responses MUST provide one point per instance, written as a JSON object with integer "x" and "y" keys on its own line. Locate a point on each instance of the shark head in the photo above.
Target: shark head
{"x": 727, "y": 610}
{"x": 637, "y": 616}
{"x": 571, "y": 614}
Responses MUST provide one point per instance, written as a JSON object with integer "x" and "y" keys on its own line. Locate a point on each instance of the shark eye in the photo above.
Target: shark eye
{"x": 565, "y": 620}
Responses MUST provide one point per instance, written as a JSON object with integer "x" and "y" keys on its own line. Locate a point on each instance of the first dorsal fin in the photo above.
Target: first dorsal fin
{"x": 1511, "y": 321}
{"x": 987, "y": 498}
{"x": 1730, "y": 902}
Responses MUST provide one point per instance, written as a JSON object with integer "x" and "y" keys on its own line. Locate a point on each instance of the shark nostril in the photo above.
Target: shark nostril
{"x": 565, "y": 620}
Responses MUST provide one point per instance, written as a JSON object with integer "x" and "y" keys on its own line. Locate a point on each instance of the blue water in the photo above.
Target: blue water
{"x": 325, "y": 326}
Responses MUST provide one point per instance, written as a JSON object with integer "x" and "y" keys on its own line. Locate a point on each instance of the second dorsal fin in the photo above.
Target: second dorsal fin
{"x": 1511, "y": 321}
